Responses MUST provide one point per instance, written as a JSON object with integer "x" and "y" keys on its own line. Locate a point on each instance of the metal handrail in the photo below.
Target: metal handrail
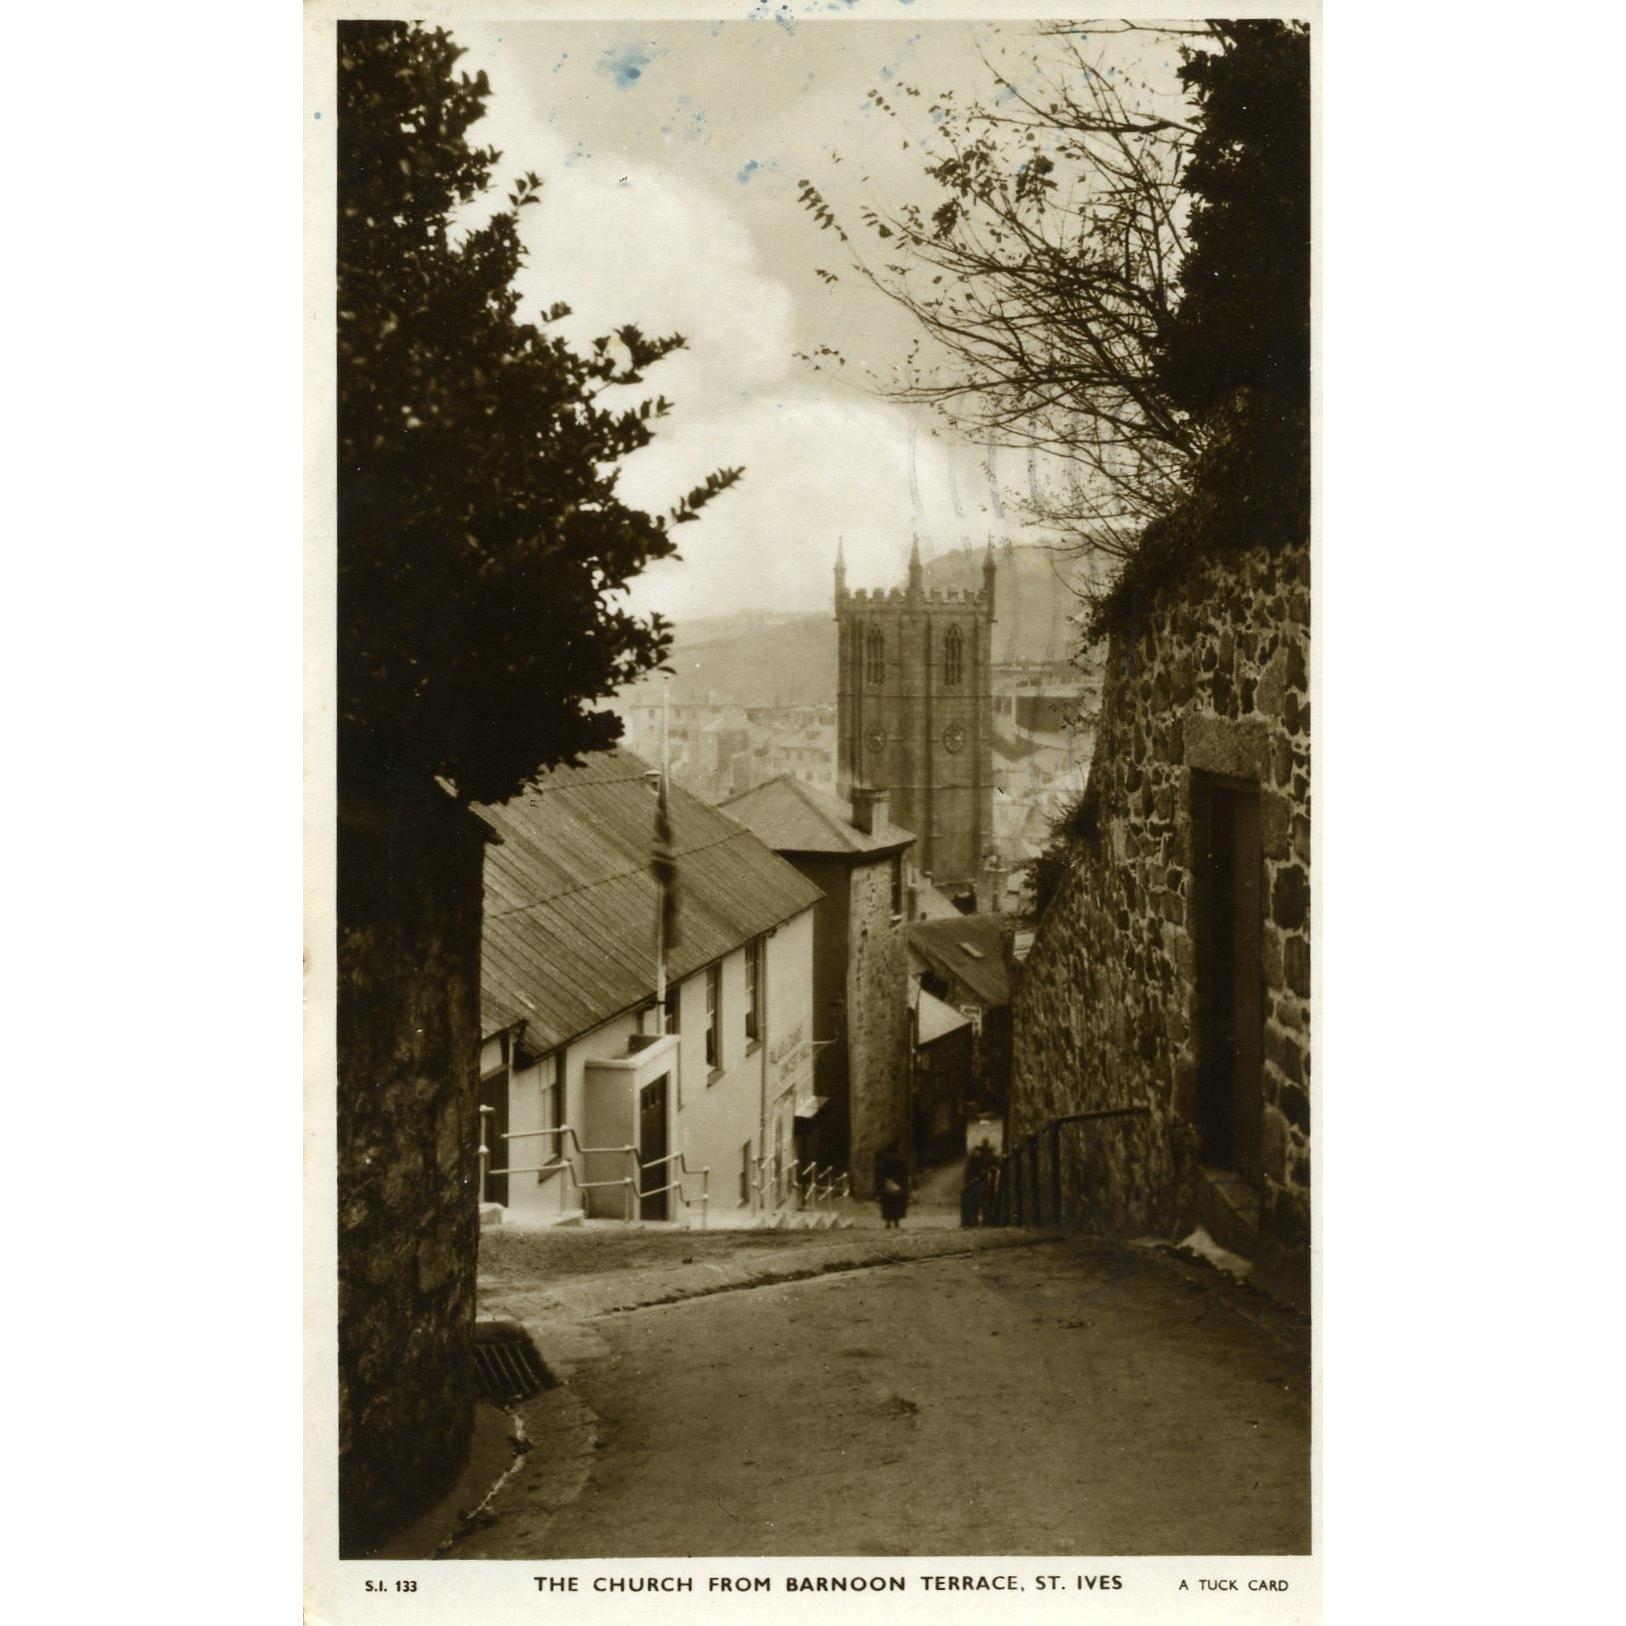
{"x": 629, "y": 1182}
{"x": 806, "y": 1185}
{"x": 560, "y": 1163}
{"x": 1011, "y": 1193}
{"x": 684, "y": 1170}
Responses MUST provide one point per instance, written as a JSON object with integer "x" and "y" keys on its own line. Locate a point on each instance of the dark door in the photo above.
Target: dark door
{"x": 652, "y": 1147}
{"x": 494, "y": 1094}
{"x": 1230, "y": 978}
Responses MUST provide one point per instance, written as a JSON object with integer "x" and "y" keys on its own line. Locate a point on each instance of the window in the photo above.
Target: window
{"x": 745, "y": 1174}
{"x": 674, "y": 1007}
{"x": 874, "y": 656}
{"x": 753, "y": 990}
{"x": 897, "y": 886}
{"x": 714, "y": 1011}
{"x": 953, "y": 658}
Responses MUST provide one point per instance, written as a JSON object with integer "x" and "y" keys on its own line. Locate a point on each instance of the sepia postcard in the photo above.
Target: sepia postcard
{"x": 811, "y": 838}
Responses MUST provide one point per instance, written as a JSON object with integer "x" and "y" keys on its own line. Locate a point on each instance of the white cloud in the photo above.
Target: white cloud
{"x": 622, "y": 240}
{"x": 818, "y": 469}
{"x": 632, "y": 244}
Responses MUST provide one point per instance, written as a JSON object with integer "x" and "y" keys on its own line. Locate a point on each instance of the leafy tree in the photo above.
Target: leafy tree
{"x": 1234, "y": 357}
{"x": 481, "y": 541}
{"x": 1243, "y": 321}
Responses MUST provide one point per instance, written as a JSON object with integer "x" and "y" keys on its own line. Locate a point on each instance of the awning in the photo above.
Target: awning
{"x": 936, "y": 1019}
{"x": 809, "y": 1106}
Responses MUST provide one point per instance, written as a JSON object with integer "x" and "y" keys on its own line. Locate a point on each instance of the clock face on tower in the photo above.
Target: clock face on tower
{"x": 875, "y": 736}
{"x": 953, "y": 737}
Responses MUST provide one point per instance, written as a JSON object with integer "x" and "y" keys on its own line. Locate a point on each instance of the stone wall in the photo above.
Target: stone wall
{"x": 409, "y": 1049}
{"x": 877, "y": 1023}
{"x": 1214, "y": 680}
{"x": 829, "y": 1140}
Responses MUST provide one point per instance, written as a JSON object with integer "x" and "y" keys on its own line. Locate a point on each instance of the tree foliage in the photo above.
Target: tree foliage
{"x": 481, "y": 540}
{"x": 1243, "y": 320}
{"x": 1235, "y": 355}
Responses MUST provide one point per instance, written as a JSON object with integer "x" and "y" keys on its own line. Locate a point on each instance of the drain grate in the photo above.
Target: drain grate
{"x": 507, "y": 1367}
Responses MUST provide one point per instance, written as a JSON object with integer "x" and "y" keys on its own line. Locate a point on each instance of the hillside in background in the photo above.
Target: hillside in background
{"x": 761, "y": 658}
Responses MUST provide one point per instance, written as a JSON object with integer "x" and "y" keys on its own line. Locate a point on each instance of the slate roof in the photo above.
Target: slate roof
{"x": 570, "y": 900}
{"x": 942, "y": 945}
{"x": 793, "y": 817}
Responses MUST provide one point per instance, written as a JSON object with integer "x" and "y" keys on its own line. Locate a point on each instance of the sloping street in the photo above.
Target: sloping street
{"x": 1044, "y": 1397}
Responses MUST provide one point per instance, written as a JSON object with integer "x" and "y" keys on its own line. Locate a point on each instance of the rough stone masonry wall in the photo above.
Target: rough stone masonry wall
{"x": 877, "y": 1023}
{"x": 1215, "y": 679}
{"x": 409, "y": 1044}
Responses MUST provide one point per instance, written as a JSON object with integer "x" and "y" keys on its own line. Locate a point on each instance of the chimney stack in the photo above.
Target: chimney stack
{"x": 869, "y": 809}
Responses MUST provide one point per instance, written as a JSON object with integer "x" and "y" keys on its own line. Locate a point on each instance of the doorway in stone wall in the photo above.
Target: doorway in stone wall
{"x": 1228, "y": 876}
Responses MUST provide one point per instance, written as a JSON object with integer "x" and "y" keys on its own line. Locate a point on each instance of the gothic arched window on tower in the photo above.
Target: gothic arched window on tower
{"x": 953, "y": 658}
{"x": 874, "y": 656}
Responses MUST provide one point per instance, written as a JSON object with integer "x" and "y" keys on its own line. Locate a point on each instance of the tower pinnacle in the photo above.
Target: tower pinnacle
{"x": 914, "y": 568}
{"x": 841, "y": 574}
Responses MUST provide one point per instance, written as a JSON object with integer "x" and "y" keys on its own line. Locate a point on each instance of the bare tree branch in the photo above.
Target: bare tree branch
{"x": 1043, "y": 279}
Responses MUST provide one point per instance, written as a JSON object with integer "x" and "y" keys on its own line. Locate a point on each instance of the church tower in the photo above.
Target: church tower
{"x": 914, "y": 713}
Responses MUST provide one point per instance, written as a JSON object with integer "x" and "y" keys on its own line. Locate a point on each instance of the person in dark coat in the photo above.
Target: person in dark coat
{"x": 974, "y": 1191}
{"x": 892, "y": 1187}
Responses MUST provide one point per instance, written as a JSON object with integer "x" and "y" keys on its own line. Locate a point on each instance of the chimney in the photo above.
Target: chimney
{"x": 869, "y": 809}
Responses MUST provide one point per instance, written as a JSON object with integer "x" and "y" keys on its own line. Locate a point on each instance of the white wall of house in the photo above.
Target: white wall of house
{"x": 722, "y": 1117}
{"x": 716, "y": 1115}
{"x": 789, "y": 1052}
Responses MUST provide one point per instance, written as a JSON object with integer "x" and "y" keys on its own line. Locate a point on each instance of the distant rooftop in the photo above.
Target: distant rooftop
{"x": 969, "y": 949}
{"x": 570, "y": 899}
{"x": 793, "y": 817}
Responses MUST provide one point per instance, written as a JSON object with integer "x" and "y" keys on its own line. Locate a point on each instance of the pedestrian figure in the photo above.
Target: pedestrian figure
{"x": 892, "y": 1186}
{"x": 974, "y": 1190}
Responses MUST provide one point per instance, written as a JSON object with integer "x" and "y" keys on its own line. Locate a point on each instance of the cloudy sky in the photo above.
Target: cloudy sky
{"x": 671, "y": 155}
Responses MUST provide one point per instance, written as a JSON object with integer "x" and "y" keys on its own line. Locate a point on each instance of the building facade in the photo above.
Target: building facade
{"x": 944, "y": 1059}
{"x": 858, "y": 859}
{"x": 914, "y": 715}
{"x": 963, "y": 962}
{"x": 579, "y": 1063}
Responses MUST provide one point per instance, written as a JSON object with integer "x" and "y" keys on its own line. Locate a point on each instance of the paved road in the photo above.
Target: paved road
{"x": 1068, "y": 1397}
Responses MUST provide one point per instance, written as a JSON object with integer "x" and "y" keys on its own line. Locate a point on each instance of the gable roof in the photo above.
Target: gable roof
{"x": 796, "y": 818}
{"x": 969, "y": 949}
{"x": 570, "y": 899}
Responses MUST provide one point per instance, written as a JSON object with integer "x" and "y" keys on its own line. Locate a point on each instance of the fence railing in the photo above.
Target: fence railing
{"x": 1026, "y": 1186}
{"x": 798, "y": 1186}
{"x": 678, "y": 1164}
{"x": 631, "y": 1183}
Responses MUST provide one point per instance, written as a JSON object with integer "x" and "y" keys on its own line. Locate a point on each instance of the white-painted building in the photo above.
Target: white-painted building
{"x": 586, "y": 1092}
